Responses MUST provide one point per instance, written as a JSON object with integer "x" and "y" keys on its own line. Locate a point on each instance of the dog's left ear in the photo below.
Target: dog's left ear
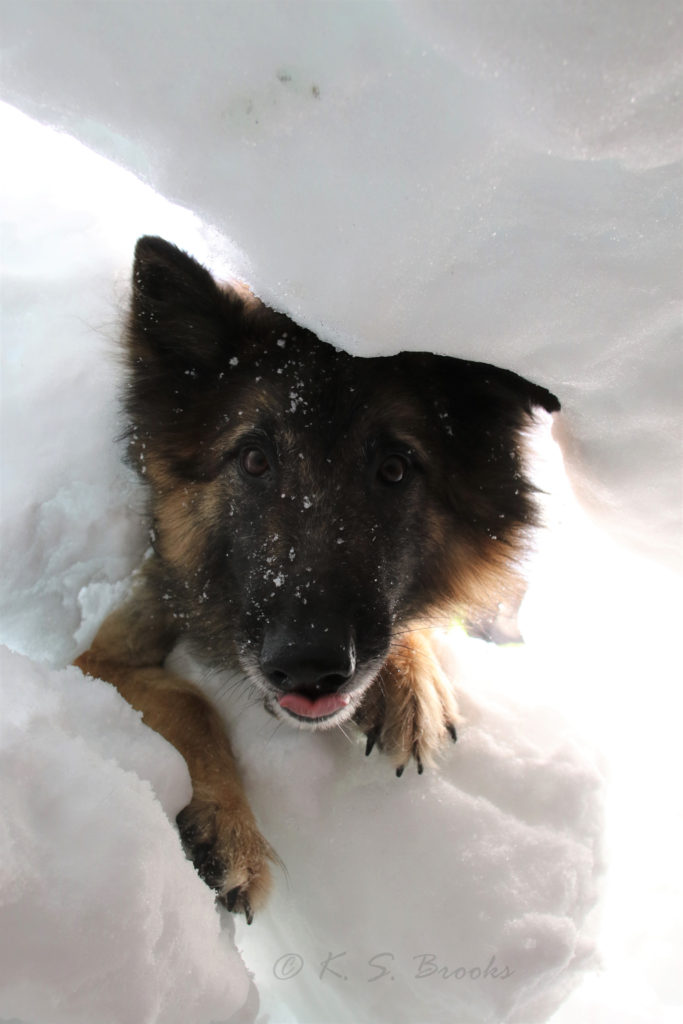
{"x": 505, "y": 386}
{"x": 491, "y": 411}
{"x": 472, "y": 399}
{"x": 482, "y": 414}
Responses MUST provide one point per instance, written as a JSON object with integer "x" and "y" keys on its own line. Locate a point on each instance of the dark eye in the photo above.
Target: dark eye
{"x": 254, "y": 461}
{"x": 393, "y": 469}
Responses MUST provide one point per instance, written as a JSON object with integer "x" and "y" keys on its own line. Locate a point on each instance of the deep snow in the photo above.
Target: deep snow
{"x": 499, "y": 177}
{"x": 564, "y": 205}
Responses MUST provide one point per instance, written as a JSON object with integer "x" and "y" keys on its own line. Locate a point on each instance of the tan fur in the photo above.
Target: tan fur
{"x": 411, "y": 709}
{"x": 127, "y": 652}
{"x": 180, "y": 515}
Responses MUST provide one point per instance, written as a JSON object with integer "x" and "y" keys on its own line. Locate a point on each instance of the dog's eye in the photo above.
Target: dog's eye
{"x": 393, "y": 469}
{"x": 254, "y": 461}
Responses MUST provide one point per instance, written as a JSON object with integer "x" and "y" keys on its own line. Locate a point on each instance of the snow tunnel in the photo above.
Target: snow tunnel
{"x": 499, "y": 182}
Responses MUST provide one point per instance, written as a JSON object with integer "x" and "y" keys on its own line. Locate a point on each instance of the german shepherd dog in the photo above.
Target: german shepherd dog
{"x": 313, "y": 513}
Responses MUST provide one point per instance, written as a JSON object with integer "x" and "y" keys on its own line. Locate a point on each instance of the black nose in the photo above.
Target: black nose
{"x": 314, "y": 661}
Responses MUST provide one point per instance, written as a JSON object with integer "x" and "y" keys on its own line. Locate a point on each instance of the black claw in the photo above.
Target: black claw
{"x": 237, "y": 902}
{"x": 450, "y": 729}
{"x": 399, "y": 771}
{"x": 420, "y": 766}
{"x": 372, "y": 739}
{"x": 231, "y": 898}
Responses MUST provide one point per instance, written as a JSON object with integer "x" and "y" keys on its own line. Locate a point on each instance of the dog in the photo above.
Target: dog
{"x": 313, "y": 514}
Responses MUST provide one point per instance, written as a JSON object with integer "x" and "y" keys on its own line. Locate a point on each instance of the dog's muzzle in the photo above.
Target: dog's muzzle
{"x": 310, "y": 669}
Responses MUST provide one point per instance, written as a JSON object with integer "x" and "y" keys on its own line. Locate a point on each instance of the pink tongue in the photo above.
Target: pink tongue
{"x": 301, "y": 705}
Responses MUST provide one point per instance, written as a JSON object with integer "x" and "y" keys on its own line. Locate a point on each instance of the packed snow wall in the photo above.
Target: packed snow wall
{"x": 490, "y": 180}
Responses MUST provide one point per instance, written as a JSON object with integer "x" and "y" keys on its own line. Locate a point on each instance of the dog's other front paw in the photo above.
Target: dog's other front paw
{"x": 229, "y": 853}
{"x": 411, "y": 709}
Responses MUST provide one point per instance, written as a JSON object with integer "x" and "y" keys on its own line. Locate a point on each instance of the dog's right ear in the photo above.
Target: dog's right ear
{"x": 178, "y": 314}
{"x": 183, "y": 332}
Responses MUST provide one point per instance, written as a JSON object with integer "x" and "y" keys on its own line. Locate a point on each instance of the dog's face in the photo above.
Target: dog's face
{"x": 310, "y": 505}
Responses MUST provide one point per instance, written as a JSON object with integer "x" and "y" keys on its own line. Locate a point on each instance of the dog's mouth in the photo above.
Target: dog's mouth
{"x": 312, "y": 703}
{"x": 318, "y": 709}
{"x": 311, "y": 711}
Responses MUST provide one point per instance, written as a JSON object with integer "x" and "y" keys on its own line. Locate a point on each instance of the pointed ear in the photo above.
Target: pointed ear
{"x": 474, "y": 399}
{"x": 487, "y": 412}
{"x": 485, "y": 403}
{"x": 481, "y": 415}
{"x": 511, "y": 386}
{"x": 183, "y": 330}
{"x": 178, "y": 314}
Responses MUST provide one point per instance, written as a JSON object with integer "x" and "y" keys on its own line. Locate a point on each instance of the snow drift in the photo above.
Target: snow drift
{"x": 87, "y": 794}
{"x": 490, "y": 182}
{"x": 485, "y": 180}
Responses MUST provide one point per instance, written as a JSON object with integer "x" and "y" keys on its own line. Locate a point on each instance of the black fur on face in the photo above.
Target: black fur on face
{"x": 308, "y": 505}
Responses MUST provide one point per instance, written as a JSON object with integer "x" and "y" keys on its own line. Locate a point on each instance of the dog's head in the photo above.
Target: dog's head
{"x": 309, "y": 505}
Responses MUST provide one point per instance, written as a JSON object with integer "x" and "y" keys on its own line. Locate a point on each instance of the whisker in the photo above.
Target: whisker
{"x": 347, "y": 736}
{"x": 278, "y": 725}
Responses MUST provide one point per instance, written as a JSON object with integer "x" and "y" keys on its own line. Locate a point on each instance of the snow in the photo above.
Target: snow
{"x": 496, "y": 181}
{"x": 97, "y": 893}
{"x": 490, "y": 864}
{"x": 491, "y": 178}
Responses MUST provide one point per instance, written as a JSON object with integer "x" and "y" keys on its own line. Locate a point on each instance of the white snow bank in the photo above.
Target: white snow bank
{"x": 491, "y": 180}
{"x": 101, "y": 915}
{"x": 497, "y": 180}
{"x": 487, "y": 870}
{"x": 70, "y": 222}
{"x": 491, "y": 867}
{"x": 461, "y": 895}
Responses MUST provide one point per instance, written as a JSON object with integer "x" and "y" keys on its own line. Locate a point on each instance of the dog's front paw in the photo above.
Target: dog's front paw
{"x": 411, "y": 709}
{"x": 229, "y": 853}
